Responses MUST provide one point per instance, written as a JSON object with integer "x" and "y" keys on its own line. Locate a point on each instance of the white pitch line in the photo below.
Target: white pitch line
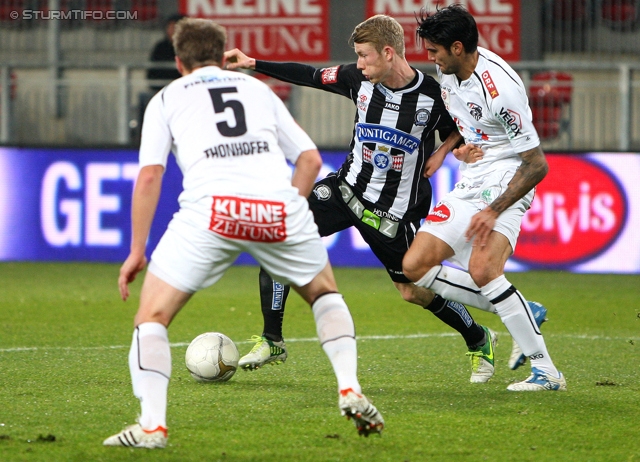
{"x": 315, "y": 339}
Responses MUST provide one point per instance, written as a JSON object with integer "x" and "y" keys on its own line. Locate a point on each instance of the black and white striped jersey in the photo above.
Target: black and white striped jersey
{"x": 393, "y": 136}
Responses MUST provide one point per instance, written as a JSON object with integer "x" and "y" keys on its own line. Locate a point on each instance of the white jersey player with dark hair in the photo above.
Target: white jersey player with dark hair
{"x": 233, "y": 137}
{"x": 477, "y": 224}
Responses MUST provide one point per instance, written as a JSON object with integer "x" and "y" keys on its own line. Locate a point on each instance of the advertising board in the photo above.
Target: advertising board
{"x": 75, "y": 205}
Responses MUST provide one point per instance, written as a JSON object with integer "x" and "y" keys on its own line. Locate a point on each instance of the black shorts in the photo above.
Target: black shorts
{"x": 332, "y": 214}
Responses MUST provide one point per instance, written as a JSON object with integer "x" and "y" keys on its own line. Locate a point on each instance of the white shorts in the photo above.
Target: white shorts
{"x": 190, "y": 258}
{"x": 450, "y": 218}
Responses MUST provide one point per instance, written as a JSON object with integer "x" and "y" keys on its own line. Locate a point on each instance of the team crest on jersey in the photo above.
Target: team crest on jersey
{"x": 379, "y": 159}
{"x": 322, "y": 192}
{"x": 475, "y": 110}
{"x": 488, "y": 82}
{"x": 422, "y": 117}
{"x": 441, "y": 213}
{"x": 330, "y": 75}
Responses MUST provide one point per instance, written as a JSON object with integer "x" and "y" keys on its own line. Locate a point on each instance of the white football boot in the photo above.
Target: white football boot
{"x": 134, "y": 436}
{"x": 365, "y": 416}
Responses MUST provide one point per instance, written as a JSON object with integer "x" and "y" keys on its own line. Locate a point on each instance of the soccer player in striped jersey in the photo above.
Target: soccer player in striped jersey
{"x": 382, "y": 188}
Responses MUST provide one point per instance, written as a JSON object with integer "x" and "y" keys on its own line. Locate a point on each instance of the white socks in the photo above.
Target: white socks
{"x": 454, "y": 284}
{"x": 500, "y": 297}
{"x": 150, "y": 367}
{"x": 337, "y": 335}
{"x": 517, "y": 317}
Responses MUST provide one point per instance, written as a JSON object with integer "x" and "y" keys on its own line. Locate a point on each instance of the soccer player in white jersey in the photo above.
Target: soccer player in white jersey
{"x": 233, "y": 137}
{"x": 477, "y": 224}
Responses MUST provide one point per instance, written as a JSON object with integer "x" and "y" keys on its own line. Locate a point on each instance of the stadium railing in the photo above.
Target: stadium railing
{"x": 101, "y": 105}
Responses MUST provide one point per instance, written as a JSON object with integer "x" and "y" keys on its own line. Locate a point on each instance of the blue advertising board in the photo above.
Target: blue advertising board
{"x": 75, "y": 205}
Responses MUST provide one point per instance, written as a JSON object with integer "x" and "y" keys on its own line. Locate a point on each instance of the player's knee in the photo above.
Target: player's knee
{"x": 414, "y": 268}
{"x": 481, "y": 274}
{"x": 146, "y": 315}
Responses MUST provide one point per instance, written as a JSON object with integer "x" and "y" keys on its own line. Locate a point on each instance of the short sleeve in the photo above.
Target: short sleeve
{"x": 511, "y": 108}
{"x": 156, "y": 140}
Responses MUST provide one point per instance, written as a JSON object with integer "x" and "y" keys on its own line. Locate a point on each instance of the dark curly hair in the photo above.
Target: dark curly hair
{"x": 447, "y": 25}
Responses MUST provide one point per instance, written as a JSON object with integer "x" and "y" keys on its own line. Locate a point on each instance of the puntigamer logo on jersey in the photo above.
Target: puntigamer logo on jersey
{"x": 388, "y": 136}
{"x": 578, "y": 212}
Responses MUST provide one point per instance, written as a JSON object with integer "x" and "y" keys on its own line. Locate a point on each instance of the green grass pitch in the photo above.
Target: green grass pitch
{"x": 64, "y": 379}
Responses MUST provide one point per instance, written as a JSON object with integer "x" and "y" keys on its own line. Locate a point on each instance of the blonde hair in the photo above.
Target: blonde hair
{"x": 199, "y": 42}
{"x": 380, "y": 30}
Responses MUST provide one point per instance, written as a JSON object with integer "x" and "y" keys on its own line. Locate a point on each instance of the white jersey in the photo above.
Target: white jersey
{"x": 232, "y": 136}
{"x": 491, "y": 110}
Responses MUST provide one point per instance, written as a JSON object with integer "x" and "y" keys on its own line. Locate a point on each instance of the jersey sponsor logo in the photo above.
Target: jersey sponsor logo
{"x": 421, "y": 117}
{"x": 248, "y": 219}
{"x": 322, "y": 192}
{"x": 388, "y": 136}
{"x": 383, "y": 214}
{"x": 488, "y": 82}
{"x": 330, "y": 75}
{"x": 475, "y": 110}
{"x": 441, "y": 213}
{"x": 464, "y": 315}
{"x": 445, "y": 92}
{"x": 488, "y": 195}
{"x": 202, "y": 79}
{"x": 362, "y": 103}
{"x": 278, "y": 296}
{"x": 579, "y": 211}
{"x": 511, "y": 121}
{"x": 392, "y": 106}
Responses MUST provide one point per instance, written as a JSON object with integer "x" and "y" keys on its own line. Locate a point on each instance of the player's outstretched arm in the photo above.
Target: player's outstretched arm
{"x": 236, "y": 59}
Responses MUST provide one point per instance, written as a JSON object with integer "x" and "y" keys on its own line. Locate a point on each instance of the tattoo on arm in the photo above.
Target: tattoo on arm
{"x": 533, "y": 169}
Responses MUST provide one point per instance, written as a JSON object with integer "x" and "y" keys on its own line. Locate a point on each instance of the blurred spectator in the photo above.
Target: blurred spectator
{"x": 163, "y": 53}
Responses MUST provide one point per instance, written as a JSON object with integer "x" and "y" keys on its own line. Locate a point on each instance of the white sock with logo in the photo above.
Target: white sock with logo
{"x": 337, "y": 335}
{"x": 517, "y": 317}
{"x": 454, "y": 284}
{"x": 150, "y": 367}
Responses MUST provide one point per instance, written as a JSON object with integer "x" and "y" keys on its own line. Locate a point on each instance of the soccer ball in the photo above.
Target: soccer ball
{"x": 212, "y": 357}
